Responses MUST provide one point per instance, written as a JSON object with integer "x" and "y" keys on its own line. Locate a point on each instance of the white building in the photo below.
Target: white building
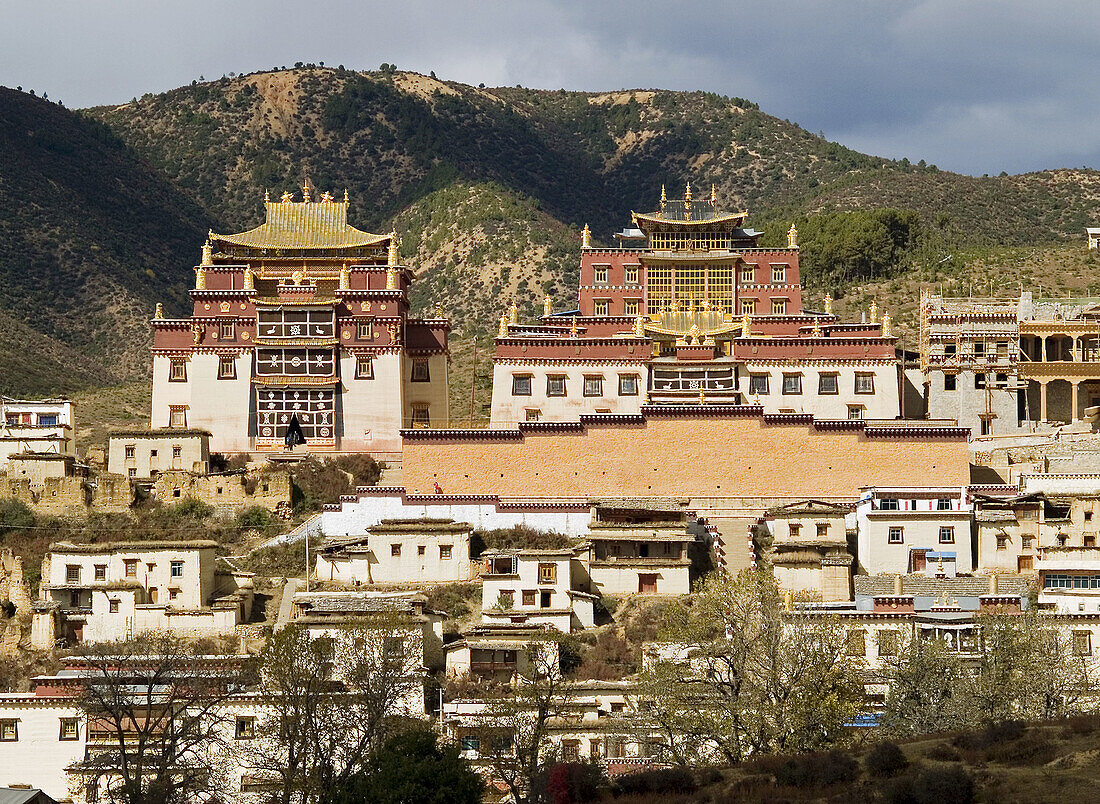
{"x": 36, "y": 426}
{"x": 115, "y": 590}
{"x": 922, "y": 530}
{"x": 399, "y": 551}
{"x": 639, "y": 549}
{"x": 501, "y": 652}
{"x": 537, "y": 587}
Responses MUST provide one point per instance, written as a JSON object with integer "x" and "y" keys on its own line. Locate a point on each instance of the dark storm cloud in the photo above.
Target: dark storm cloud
{"x": 971, "y": 86}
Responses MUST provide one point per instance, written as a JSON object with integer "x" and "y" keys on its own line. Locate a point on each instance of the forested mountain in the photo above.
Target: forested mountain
{"x": 104, "y": 211}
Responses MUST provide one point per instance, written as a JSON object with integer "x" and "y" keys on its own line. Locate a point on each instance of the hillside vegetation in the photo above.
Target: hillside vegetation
{"x": 104, "y": 211}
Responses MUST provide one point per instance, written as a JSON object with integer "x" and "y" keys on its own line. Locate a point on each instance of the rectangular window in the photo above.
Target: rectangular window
{"x": 571, "y": 750}
{"x": 1002, "y": 541}
{"x": 421, "y": 549}
{"x": 227, "y": 330}
{"x": 632, "y": 306}
{"x": 395, "y": 550}
{"x": 950, "y": 382}
{"x": 1082, "y": 643}
{"x": 177, "y": 416}
{"x": 979, "y": 349}
{"x": 795, "y": 529}
{"x": 227, "y": 368}
{"x": 949, "y": 350}
{"x": 628, "y": 385}
{"x": 506, "y": 599}
{"x": 521, "y": 385}
{"x": 865, "y": 382}
{"x": 177, "y": 569}
{"x": 1025, "y": 542}
{"x": 887, "y": 643}
{"x": 943, "y": 504}
{"x": 822, "y": 530}
{"x": 555, "y": 385}
{"x": 855, "y": 412}
{"x": 420, "y": 370}
{"x": 9, "y": 730}
{"x": 792, "y": 383}
{"x": 470, "y": 743}
{"x": 748, "y": 306}
{"x": 947, "y": 535}
{"x": 47, "y": 421}
{"x": 68, "y": 729}
{"x": 548, "y": 573}
{"x": 245, "y": 729}
{"x": 889, "y": 504}
{"x": 528, "y": 597}
{"x": 173, "y": 593}
{"x": 593, "y": 385}
{"x": 779, "y": 273}
{"x": 895, "y": 536}
{"x": 599, "y": 274}
{"x": 130, "y": 565}
{"x": 113, "y": 607}
{"x": 532, "y": 414}
{"x": 445, "y": 552}
{"x": 364, "y": 368}
{"x": 72, "y": 573}
{"x": 420, "y": 417}
{"x": 748, "y": 274}
{"x": 177, "y": 371}
{"x": 758, "y": 383}
{"x": 131, "y": 451}
{"x": 1000, "y": 380}
{"x": 601, "y": 306}
{"x": 979, "y": 380}
{"x": 630, "y": 275}
{"x": 857, "y": 643}
{"x": 101, "y": 572}
{"x": 828, "y": 384}
{"x": 364, "y": 330}
{"x": 779, "y": 306}
{"x": 131, "y": 472}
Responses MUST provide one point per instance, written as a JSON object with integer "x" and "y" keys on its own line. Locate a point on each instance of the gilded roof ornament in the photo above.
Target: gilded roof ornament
{"x": 713, "y": 196}
{"x": 159, "y": 314}
{"x": 267, "y": 196}
{"x": 745, "y": 325}
{"x": 546, "y": 308}
{"x": 687, "y": 192}
{"x": 513, "y": 314}
{"x": 207, "y": 253}
{"x": 200, "y": 279}
{"x": 817, "y": 327}
{"x": 792, "y": 237}
{"x": 286, "y": 198}
{"x": 298, "y": 276}
{"x": 391, "y": 278}
{"x": 664, "y": 198}
{"x": 573, "y": 328}
{"x": 392, "y": 256}
{"x": 503, "y": 331}
{"x": 586, "y": 237}
{"x": 305, "y": 192}
{"x": 887, "y": 326}
{"x": 828, "y": 304}
{"x": 249, "y": 283}
{"x": 326, "y": 197}
{"x": 639, "y": 327}
{"x": 345, "y": 277}
{"x": 345, "y": 195}
{"x": 702, "y": 396}
{"x": 874, "y": 311}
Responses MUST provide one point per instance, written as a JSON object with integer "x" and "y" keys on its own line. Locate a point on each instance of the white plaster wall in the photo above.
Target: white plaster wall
{"x": 372, "y": 409}
{"x": 378, "y": 565}
{"x": 220, "y": 406}
{"x": 921, "y": 530}
{"x": 38, "y": 758}
{"x": 508, "y": 410}
{"x": 195, "y": 585}
{"x": 623, "y": 580}
{"x": 167, "y": 394}
{"x": 884, "y": 403}
{"x": 527, "y": 578}
{"x": 432, "y": 393}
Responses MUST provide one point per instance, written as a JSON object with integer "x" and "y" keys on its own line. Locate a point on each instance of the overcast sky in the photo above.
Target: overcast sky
{"x": 969, "y": 85}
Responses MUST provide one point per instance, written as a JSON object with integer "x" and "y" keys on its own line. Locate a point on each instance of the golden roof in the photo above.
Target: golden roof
{"x": 702, "y": 215}
{"x": 304, "y": 225}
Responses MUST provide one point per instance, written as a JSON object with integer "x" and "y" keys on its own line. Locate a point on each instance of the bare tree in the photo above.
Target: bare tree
{"x": 330, "y": 703}
{"x": 154, "y": 725}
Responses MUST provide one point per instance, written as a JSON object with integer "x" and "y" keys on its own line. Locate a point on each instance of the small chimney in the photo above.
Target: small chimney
{"x": 897, "y": 584}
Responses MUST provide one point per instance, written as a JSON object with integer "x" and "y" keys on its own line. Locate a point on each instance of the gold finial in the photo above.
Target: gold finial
{"x": 267, "y": 196}
{"x": 817, "y": 327}
{"x": 745, "y": 325}
{"x": 391, "y": 279}
{"x": 513, "y": 314}
{"x": 207, "y": 253}
{"x": 286, "y": 198}
{"x": 687, "y": 192}
{"x": 792, "y": 237}
{"x": 639, "y": 327}
{"x": 586, "y": 237}
{"x": 788, "y": 600}
{"x": 200, "y": 279}
{"x": 546, "y": 309}
{"x": 702, "y": 397}
{"x": 503, "y": 331}
{"x": 159, "y": 314}
{"x": 713, "y": 196}
{"x": 299, "y": 277}
{"x": 828, "y": 300}
{"x": 345, "y": 195}
{"x": 887, "y": 326}
{"x": 664, "y": 198}
{"x": 305, "y": 192}
{"x": 326, "y": 197}
{"x": 573, "y": 328}
{"x": 392, "y": 257}
{"x": 874, "y": 311}
{"x": 249, "y": 284}
{"x": 345, "y": 277}
{"x": 439, "y": 311}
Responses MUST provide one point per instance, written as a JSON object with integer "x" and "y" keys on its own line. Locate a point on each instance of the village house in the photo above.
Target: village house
{"x": 806, "y": 544}
{"x": 399, "y": 551}
{"x": 502, "y": 651}
{"x": 36, "y": 427}
{"x": 116, "y": 590}
{"x": 639, "y": 549}
{"x": 537, "y": 587}
{"x": 144, "y": 454}
{"x": 921, "y": 529}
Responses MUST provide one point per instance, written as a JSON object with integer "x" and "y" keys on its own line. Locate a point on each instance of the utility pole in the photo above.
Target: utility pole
{"x": 307, "y": 559}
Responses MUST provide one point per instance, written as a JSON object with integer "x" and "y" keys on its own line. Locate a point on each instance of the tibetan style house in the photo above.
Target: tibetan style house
{"x": 302, "y": 317}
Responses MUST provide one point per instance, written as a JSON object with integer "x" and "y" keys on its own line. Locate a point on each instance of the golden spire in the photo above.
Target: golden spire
{"x": 503, "y": 331}
{"x": 573, "y": 328}
{"x": 744, "y": 325}
{"x": 513, "y": 314}
{"x": 393, "y": 256}
{"x": 305, "y": 192}
{"x": 586, "y": 237}
{"x": 200, "y": 279}
{"x": 887, "y": 326}
{"x": 345, "y": 195}
{"x": 817, "y": 326}
{"x": 639, "y": 326}
{"x": 687, "y": 192}
{"x": 391, "y": 278}
{"x": 874, "y": 311}
{"x": 702, "y": 397}
{"x": 207, "y": 253}
{"x": 792, "y": 237}
{"x": 713, "y": 196}
{"x": 546, "y": 309}
{"x": 439, "y": 311}
{"x": 828, "y": 304}
{"x": 249, "y": 284}
{"x": 267, "y": 196}
{"x": 159, "y": 314}
{"x": 345, "y": 277}
{"x": 664, "y": 199}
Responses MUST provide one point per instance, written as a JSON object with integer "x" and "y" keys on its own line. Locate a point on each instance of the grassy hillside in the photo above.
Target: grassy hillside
{"x": 90, "y": 239}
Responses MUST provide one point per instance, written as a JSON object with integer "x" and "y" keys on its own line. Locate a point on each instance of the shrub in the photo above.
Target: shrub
{"x": 190, "y": 508}
{"x": 942, "y": 752}
{"x": 574, "y": 782}
{"x": 1080, "y": 725}
{"x": 1032, "y": 749}
{"x": 255, "y": 517}
{"x": 943, "y": 785}
{"x": 15, "y": 515}
{"x": 885, "y": 759}
{"x": 993, "y": 734}
{"x": 818, "y": 770}
{"x": 664, "y": 780}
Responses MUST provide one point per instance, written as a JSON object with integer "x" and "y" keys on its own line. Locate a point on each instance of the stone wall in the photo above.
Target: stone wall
{"x": 227, "y": 493}
{"x": 15, "y": 597}
{"x": 71, "y": 496}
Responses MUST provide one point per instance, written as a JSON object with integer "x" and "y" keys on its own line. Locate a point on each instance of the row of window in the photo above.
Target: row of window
{"x": 827, "y": 383}
{"x": 364, "y": 369}
{"x": 630, "y": 274}
{"x": 67, "y": 730}
{"x": 131, "y": 451}
{"x": 895, "y": 504}
{"x": 1071, "y": 581}
{"x": 44, "y": 419}
{"x": 507, "y": 598}
{"x": 822, "y": 529}
{"x": 73, "y": 571}
{"x": 422, "y": 550}
{"x": 981, "y": 380}
{"x": 557, "y": 385}
{"x": 896, "y": 535}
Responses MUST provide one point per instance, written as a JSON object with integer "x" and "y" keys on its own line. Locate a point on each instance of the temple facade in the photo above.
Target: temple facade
{"x": 688, "y": 309}
{"x": 302, "y": 317}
